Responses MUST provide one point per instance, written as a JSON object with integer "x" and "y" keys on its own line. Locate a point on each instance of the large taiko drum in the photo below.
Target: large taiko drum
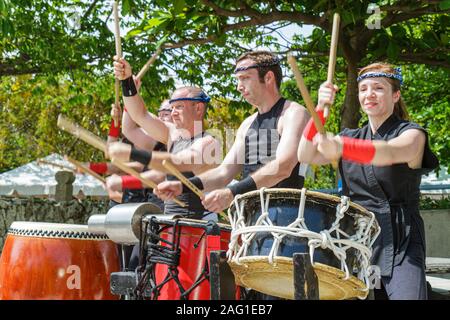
{"x": 270, "y": 225}
{"x": 177, "y": 257}
{"x": 56, "y": 261}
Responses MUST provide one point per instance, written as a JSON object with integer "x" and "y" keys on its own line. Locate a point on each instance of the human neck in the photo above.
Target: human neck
{"x": 376, "y": 122}
{"x": 193, "y": 130}
{"x": 267, "y": 102}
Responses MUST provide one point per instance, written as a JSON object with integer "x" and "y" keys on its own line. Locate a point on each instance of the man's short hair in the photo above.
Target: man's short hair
{"x": 194, "y": 94}
{"x": 265, "y": 61}
{"x": 165, "y": 106}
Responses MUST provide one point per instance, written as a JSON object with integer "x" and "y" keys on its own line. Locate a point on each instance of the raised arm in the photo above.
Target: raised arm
{"x": 154, "y": 127}
{"x": 307, "y": 148}
{"x": 135, "y": 134}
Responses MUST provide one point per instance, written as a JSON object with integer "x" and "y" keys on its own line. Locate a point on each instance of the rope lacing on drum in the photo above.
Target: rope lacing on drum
{"x": 157, "y": 253}
{"x": 333, "y": 239}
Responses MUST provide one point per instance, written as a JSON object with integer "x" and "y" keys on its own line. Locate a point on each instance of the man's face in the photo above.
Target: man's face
{"x": 165, "y": 115}
{"x": 183, "y": 112}
{"x": 248, "y": 82}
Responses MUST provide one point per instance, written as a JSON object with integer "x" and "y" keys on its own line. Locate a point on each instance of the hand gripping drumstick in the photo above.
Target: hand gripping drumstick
{"x": 307, "y": 98}
{"x": 148, "y": 64}
{"x": 145, "y": 181}
{"x": 83, "y": 168}
{"x": 333, "y": 50}
{"x": 119, "y": 55}
{"x": 98, "y": 143}
{"x": 173, "y": 170}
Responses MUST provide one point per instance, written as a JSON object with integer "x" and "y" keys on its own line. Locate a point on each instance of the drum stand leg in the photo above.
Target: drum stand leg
{"x": 221, "y": 277}
{"x": 306, "y": 285}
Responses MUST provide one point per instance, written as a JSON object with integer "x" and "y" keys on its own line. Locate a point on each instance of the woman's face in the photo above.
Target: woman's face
{"x": 376, "y": 97}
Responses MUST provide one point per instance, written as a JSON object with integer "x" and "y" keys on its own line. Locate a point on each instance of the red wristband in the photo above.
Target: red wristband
{"x": 113, "y": 130}
{"x": 125, "y": 109}
{"x": 130, "y": 182}
{"x": 310, "y": 129}
{"x": 99, "y": 167}
{"x": 357, "y": 150}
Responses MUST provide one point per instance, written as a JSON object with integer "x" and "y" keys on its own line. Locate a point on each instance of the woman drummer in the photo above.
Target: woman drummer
{"x": 381, "y": 167}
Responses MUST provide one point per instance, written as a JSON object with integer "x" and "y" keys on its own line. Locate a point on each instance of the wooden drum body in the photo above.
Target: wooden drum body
{"x": 56, "y": 261}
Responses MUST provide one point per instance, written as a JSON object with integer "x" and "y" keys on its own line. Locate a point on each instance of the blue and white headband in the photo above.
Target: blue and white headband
{"x": 398, "y": 75}
{"x": 275, "y": 61}
{"x": 201, "y": 97}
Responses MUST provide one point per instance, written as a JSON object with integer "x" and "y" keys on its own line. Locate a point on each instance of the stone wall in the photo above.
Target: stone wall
{"x": 437, "y": 232}
{"x": 47, "y": 210}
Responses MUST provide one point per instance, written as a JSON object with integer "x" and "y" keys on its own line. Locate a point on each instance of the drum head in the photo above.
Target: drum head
{"x": 276, "y": 279}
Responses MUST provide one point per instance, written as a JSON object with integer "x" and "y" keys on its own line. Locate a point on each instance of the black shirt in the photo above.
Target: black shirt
{"x": 261, "y": 142}
{"x": 195, "y": 207}
{"x": 391, "y": 192}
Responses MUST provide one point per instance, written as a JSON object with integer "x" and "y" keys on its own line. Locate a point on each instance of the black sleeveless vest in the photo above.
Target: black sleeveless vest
{"x": 145, "y": 194}
{"x": 261, "y": 142}
{"x": 195, "y": 207}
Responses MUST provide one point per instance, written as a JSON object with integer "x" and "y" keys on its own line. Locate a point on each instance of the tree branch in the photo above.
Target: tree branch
{"x": 262, "y": 18}
{"x": 423, "y": 59}
{"x": 392, "y": 18}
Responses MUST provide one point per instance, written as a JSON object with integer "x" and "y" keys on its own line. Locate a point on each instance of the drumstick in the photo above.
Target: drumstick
{"x": 333, "y": 50}
{"x": 307, "y": 98}
{"x": 41, "y": 161}
{"x": 81, "y": 133}
{"x": 122, "y": 166}
{"x": 173, "y": 170}
{"x": 305, "y": 94}
{"x": 119, "y": 55}
{"x": 83, "y": 168}
{"x": 148, "y": 64}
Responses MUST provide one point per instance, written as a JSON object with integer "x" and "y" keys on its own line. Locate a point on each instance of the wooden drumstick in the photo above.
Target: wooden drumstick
{"x": 333, "y": 50}
{"x": 307, "y": 98}
{"x": 41, "y": 161}
{"x": 148, "y": 64}
{"x": 122, "y": 166}
{"x": 83, "y": 168}
{"x": 305, "y": 93}
{"x": 81, "y": 133}
{"x": 119, "y": 55}
{"x": 173, "y": 170}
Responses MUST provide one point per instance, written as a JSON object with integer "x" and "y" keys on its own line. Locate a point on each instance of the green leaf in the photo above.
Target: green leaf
{"x": 393, "y": 50}
{"x": 126, "y": 7}
{"x": 133, "y": 33}
{"x": 444, "y": 5}
{"x": 154, "y": 22}
{"x": 178, "y": 6}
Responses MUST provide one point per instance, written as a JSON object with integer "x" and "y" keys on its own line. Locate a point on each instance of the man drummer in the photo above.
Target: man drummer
{"x": 133, "y": 191}
{"x": 191, "y": 150}
{"x": 264, "y": 139}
